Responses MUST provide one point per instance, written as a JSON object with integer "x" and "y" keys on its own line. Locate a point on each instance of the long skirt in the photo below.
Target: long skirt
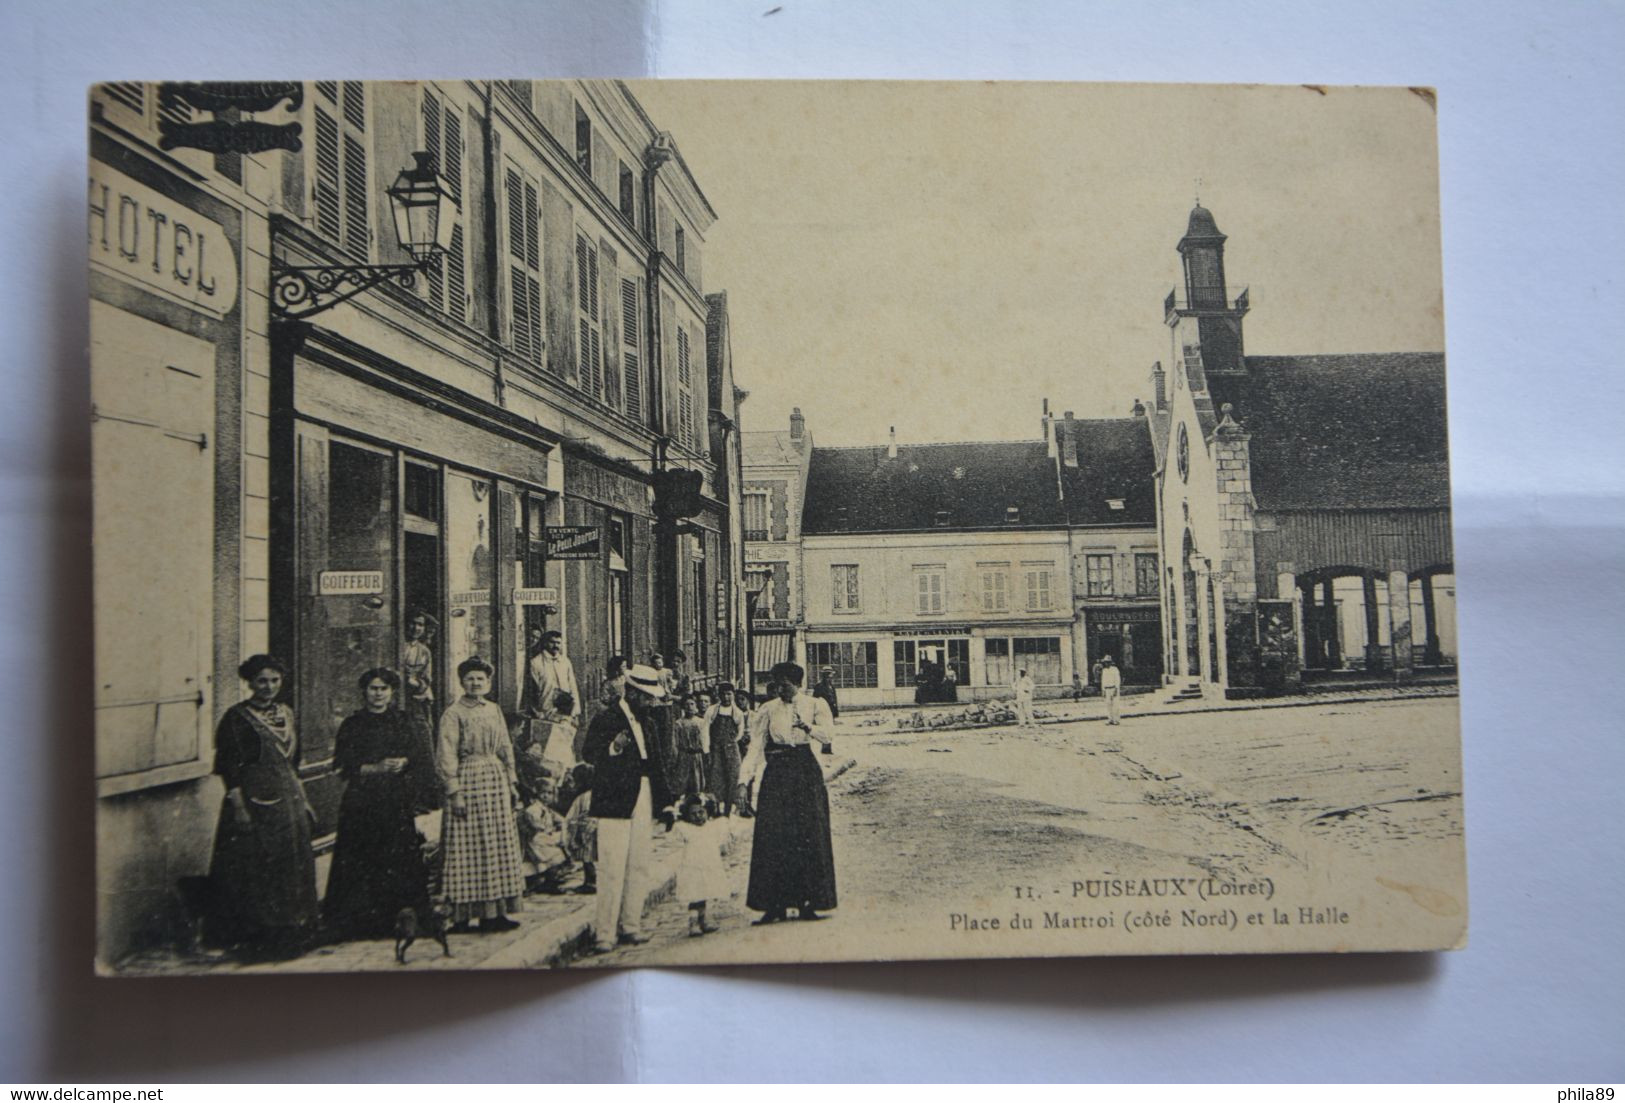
{"x": 484, "y": 874}
{"x": 791, "y": 862}
{"x": 377, "y": 861}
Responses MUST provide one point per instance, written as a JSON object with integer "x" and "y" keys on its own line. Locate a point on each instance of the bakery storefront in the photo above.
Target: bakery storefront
{"x": 409, "y": 530}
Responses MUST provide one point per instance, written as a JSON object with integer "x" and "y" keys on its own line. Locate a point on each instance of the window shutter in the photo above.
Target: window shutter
{"x": 630, "y": 355}
{"x": 452, "y": 169}
{"x": 355, "y": 197}
{"x": 609, "y": 324}
{"x": 355, "y": 112}
{"x": 456, "y": 276}
{"x": 328, "y": 218}
{"x": 130, "y": 93}
{"x": 533, "y": 262}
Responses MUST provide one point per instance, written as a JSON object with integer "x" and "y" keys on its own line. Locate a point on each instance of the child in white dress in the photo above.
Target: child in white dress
{"x": 701, "y": 877}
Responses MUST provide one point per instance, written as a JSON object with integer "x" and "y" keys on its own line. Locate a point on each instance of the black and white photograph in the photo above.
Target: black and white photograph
{"x": 596, "y": 523}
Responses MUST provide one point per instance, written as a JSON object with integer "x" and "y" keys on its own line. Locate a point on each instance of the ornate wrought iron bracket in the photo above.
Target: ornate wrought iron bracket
{"x": 302, "y": 290}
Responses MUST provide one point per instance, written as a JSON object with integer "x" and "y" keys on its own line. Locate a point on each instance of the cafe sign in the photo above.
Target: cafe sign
{"x": 143, "y": 237}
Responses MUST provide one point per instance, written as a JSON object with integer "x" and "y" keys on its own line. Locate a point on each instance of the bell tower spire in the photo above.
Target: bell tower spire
{"x": 1205, "y": 321}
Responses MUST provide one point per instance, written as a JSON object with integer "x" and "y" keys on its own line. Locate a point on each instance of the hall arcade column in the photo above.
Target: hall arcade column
{"x": 1204, "y": 623}
{"x": 1181, "y": 618}
{"x": 1399, "y": 615}
{"x": 1431, "y": 654}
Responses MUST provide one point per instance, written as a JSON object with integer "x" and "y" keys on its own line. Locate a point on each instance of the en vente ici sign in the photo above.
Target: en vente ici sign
{"x": 139, "y": 235}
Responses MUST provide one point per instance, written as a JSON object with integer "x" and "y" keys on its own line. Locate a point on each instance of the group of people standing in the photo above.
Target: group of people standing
{"x": 656, "y": 749}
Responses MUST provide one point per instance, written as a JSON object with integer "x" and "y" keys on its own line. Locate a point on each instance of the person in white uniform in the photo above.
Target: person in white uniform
{"x": 1024, "y": 699}
{"x": 1111, "y": 688}
{"x": 556, "y": 707}
{"x": 628, "y": 785}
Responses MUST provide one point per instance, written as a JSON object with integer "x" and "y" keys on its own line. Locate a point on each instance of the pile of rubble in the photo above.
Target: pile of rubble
{"x": 980, "y": 714}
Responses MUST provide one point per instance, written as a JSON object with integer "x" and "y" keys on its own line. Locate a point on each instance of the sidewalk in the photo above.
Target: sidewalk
{"x": 553, "y": 930}
{"x": 1134, "y": 706}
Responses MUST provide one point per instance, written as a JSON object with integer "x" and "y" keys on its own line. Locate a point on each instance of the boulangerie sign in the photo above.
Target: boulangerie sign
{"x": 1095, "y": 436}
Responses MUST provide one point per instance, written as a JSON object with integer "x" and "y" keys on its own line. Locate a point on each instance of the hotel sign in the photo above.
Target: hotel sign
{"x": 141, "y": 236}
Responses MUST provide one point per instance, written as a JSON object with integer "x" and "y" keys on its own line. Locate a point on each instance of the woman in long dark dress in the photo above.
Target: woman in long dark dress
{"x": 264, "y": 871}
{"x": 792, "y": 861}
{"x": 384, "y": 757}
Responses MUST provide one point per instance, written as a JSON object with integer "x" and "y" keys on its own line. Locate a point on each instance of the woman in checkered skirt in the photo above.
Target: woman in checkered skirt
{"x": 483, "y": 877}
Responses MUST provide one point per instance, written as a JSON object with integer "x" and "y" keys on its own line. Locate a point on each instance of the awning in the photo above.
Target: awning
{"x": 769, "y": 649}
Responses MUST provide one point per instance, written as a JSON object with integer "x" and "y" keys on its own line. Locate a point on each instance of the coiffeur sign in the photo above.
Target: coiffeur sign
{"x": 139, "y": 235}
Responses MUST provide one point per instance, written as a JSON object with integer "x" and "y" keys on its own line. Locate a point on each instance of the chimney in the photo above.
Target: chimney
{"x": 1048, "y": 424}
{"x": 1159, "y": 386}
{"x": 891, "y": 445}
{"x": 1069, "y": 442}
{"x": 798, "y": 428}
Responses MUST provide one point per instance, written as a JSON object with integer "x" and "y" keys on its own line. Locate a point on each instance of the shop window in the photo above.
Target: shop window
{"x": 1098, "y": 575}
{"x": 997, "y": 663}
{"x": 854, "y": 665}
{"x": 618, "y": 535}
{"x": 1040, "y": 657}
{"x": 1145, "y": 574}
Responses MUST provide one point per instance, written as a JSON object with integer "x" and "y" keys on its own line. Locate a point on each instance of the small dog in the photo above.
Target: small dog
{"x": 410, "y": 926}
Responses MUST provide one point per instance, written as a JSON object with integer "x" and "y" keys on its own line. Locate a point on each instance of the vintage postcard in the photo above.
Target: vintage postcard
{"x": 590, "y": 523}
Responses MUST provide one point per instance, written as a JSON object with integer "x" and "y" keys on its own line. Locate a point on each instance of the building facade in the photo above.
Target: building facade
{"x": 775, "y": 488}
{"x": 494, "y": 448}
{"x": 1106, "y": 474}
{"x": 935, "y": 572}
{"x": 1303, "y": 502}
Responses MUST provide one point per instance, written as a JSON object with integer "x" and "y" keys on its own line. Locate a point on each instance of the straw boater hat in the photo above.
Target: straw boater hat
{"x": 1106, "y": 659}
{"x": 646, "y": 679}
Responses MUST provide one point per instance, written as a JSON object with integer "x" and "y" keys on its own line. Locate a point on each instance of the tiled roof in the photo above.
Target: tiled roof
{"x": 1361, "y": 431}
{"x": 974, "y": 484}
{"x": 1115, "y": 462}
{"x": 768, "y": 449}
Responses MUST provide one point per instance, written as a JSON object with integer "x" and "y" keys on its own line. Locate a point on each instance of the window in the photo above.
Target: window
{"x": 1038, "y": 588}
{"x": 631, "y": 349}
{"x": 1040, "y": 658}
{"x": 443, "y": 139}
{"x": 524, "y": 267}
{"x": 685, "y": 392}
{"x": 995, "y": 588}
{"x": 340, "y": 165}
{"x": 698, "y": 651}
{"x": 997, "y": 663}
{"x": 1145, "y": 574}
{"x": 583, "y": 141}
{"x": 756, "y": 522}
{"x": 855, "y": 665}
{"x": 629, "y": 191}
{"x": 928, "y": 587}
{"x": 589, "y": 330}
{"x": 151, "y": 104}
{"x": 844, "y": 586}
{"x": 1098, "y": 575}
{"x": 681, "y": 250}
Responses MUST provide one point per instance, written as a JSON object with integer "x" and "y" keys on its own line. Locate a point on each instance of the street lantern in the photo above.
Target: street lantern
{"x": 424, "y": 210}
{"x": 425, "y": 214}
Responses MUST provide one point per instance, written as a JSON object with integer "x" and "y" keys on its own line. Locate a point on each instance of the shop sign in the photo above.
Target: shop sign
{"x": 337, "y": 583}
{"x": 722, "y": 603}
{"x": 1099, "y": 616}
{"x": 139, "y": 235}
{"x": 935, "y": 630}
{"x": 469, "y": 597}
{"x": 536, "y": 595}
{"x": 770, "y": 624}
{"x": 574, "y": 542}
